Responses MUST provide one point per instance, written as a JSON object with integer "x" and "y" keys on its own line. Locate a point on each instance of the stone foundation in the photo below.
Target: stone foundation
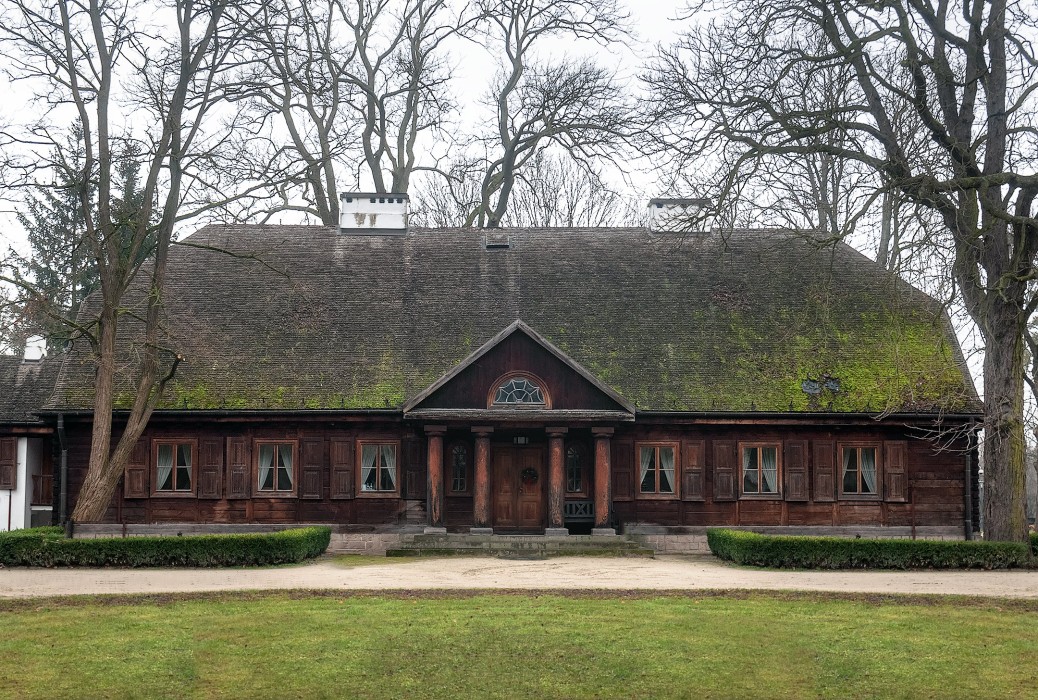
{"x": 692, "y": 540}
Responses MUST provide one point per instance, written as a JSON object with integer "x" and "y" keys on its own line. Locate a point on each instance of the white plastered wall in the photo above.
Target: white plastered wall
{"x": 16, "y": 506}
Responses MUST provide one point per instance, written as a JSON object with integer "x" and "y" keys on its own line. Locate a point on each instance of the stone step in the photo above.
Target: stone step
{"x": 519, "y": 546}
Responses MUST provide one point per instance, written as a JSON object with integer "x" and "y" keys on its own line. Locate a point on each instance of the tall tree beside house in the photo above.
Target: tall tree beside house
{"x": 97, "y": 63}
{"x": 573, "y": 104}
{"x": 963, "y": 74}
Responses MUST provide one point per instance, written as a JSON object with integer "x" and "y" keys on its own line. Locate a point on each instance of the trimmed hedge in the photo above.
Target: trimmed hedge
{"x": 795, "y": 552}
{"x": 47, "y": 546}
{"x": 1034, "y": 542}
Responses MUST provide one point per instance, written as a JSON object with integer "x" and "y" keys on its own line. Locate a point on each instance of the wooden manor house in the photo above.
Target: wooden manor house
{"x": 392, "y": 379}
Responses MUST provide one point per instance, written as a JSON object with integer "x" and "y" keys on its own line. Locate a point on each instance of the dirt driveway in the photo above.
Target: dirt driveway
{"x": 574, "y": 573}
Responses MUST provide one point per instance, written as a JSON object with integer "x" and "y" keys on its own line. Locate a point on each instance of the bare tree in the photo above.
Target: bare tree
{"x": 966, "y": 74}
{"x": 556, "y": 191}
{"x": 329, "y": 89}
{"x": 94, "y": 63}
{"x": 570, "y": 103}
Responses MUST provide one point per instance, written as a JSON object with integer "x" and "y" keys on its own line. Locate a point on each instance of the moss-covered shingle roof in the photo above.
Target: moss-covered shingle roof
{"x": 309, "y": 317}
{"x": 25, "y": 387}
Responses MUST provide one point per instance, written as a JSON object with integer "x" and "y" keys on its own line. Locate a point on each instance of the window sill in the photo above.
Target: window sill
{"x": 378, "y": 494}
{"x": 656, "y": 496}
{"x": 760, "y": 497}
{"x": 172, "y": 494}
{"x": 273, "y": 494}
{"x": 866, "y": 498}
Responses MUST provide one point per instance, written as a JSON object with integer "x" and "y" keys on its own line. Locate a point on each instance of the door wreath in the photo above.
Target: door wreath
{"x": 529, "y": 476}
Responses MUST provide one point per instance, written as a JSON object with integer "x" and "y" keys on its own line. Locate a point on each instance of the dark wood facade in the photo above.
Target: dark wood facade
{"x": 917, "y": 484}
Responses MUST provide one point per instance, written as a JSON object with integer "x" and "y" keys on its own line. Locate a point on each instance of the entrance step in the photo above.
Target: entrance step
{"x": 519, "y": 546}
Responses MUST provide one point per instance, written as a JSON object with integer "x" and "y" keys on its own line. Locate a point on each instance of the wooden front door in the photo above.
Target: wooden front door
{"x": 518, "y": 501}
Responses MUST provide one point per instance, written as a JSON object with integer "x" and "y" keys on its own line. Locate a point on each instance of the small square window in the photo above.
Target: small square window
{"x": 656, "y": 469}
{"x": 174, "y": 467}
{"x": 275, "y": 467}
{"x": 378, "y": 468}
{"x": 760, "y": 469}
{"x": 859, "y": 470}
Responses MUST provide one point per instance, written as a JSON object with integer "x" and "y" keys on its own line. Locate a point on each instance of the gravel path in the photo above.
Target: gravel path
{"x": 573, "y": 573}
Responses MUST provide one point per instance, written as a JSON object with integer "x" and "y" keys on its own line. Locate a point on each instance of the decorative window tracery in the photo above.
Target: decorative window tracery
{"x": 519, "y": 391}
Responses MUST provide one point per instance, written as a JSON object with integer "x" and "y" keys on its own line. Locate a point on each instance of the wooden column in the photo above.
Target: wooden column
{"x": 435, "y": 463}
{"x": 556, "y": 481}
{"x": 481, "y": 487}
{"x": 603, "y": 476}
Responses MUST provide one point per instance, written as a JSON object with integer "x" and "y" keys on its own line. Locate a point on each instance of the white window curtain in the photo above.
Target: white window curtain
{"x": 367, "y": 467}
{"x": 769, "y": 469}
{"x": 284, "y": 468}
{"x": 266, "y": 467}
{"x": 648, "y": 471}
{"x": 165, "y": 467}
{"x": 388, "y": 468}
{"x": 850, "y": 470}
{"x": 750, "y": 477}
{"x": 666, "y": 470}
{"x": 868, "y": 470}
{"x": 183, "y": 468}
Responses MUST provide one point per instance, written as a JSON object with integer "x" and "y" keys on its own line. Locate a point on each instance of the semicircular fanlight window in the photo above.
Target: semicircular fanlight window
{"x": 519, "y": 391}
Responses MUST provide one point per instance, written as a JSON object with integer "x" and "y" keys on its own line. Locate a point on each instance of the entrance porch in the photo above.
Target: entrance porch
{"x": 524, "y": 479}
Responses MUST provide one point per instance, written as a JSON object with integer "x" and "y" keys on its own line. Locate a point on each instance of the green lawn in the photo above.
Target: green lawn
{"x": 517, "y": 645}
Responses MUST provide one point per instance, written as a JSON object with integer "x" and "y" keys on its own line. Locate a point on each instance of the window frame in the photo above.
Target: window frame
{"x": 876, "y": 445}
{"x": 175, "y": 441}
{"x": 509, "y": 376}
{"x": 449, "y": 468}
{"x": 770, "y": 495}
{"x": 359, "y": 491}
{"x": 296, "y": 471}
{"x": 666, "y": 495}
{"x": 585, "y": 473}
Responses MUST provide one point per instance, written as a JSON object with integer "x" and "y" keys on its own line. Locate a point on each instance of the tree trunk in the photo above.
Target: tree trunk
{"x": 1005, "y": 497}
{"x": 100, "y": 482}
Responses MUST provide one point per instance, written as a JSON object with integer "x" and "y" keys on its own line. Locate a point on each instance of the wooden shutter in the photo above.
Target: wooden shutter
{"x": 725, "y": 459}
{"x": 692, "y": 470}
{"x": 210, "y": 468}
{"x": 795, "y": 465}
{"x": 9, "y": 463}
{"x": 135, "y": 476}
{"x": 414, "y": 484}
{"x": 239, "y": 468}
{"x": 313, "y": 469}
{"x": 621, "y": 463}
{"x": 894, "y": 471}
{"x": 342, "y": 468}
{"x": 825, "y": 471}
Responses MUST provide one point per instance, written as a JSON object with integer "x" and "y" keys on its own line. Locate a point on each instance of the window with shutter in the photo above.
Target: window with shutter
{"x": 824, "y": 471}
{"x": 692, "y": 470}
{"x": 135, "y": 475}
{"x": 761, "y": 469}
{"x": 174, "y": 462}
{"x": 9, "y": 463}
{"x": 341, "y": 459}
{"x": 724, "y": 470}
{"x": 894, "y": 471}
{"x": 796, "y": 472}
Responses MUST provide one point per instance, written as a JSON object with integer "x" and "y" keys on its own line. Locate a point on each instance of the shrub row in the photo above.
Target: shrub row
{"x": 48, "y": 547}
{"x": 784, "y": 551}
{"x": 1034, "y": 543}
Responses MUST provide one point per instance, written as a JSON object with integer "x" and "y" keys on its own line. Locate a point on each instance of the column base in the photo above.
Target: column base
{"x": 556, "y": 532}
{"x": 481, "y": 531}
{"x": 432, "y": 530}
{"x": 603, "y": 532}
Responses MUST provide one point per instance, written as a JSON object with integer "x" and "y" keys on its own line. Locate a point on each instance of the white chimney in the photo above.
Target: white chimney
{"x": 378, "y": 214}
{"x": 35, "y": 348}
{"x": 677, "y": 214}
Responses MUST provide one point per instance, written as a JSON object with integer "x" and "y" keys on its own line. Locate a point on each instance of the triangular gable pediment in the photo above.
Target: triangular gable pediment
{"x": 518, "y": 349}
